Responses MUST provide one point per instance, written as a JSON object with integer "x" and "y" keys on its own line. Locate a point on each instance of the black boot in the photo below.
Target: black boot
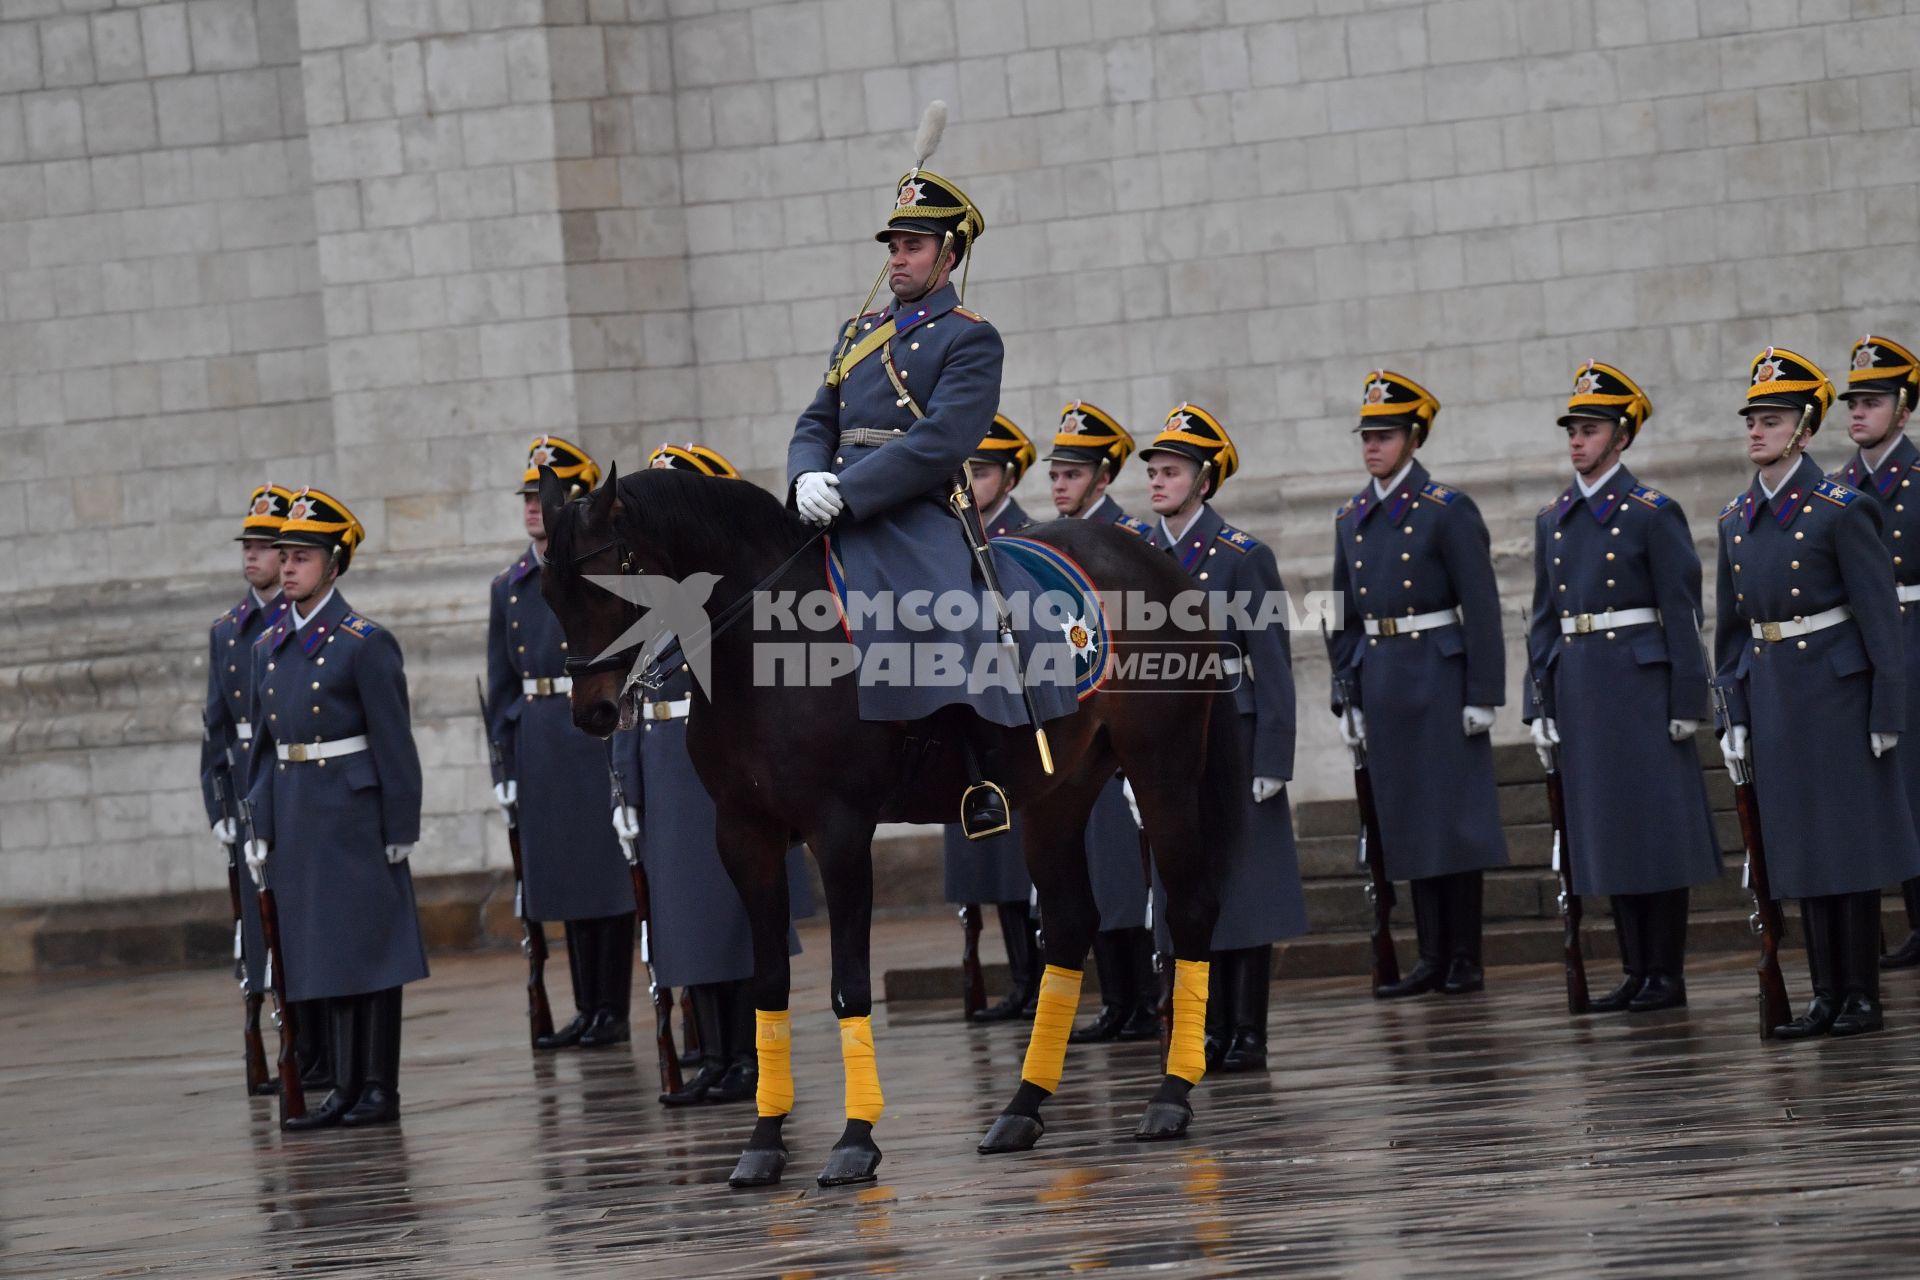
{"x": 578, "y": 934}
{"x": 1023, "y": 965}
{"x": 984, "y": 808}
{"x": 1816, "y": 920}
{"x": 742, "y": 1079}
{"x": 689, "y": 1030}
{"x": 1626, "y": 928}
{"x": 612, "y": 984}
{"x": 1143, "y": 1019}
{"x": 343, "y": 1029}
{"x": 379, "y": 1061}
{"x": 1908, "y": 954}
{"x": 310, "y": 1045}
{"x": 1116, "y": 989}
{"x": 1429, "y": 927}
{"x": 1464, "y": 973}
{"x": 1222, "y": 984}
{"x": 1663, "y": 941}
{"x": 1253, "y": 988}
{"x": 713, "y": 1040}
{"x": 1859, "y": 947}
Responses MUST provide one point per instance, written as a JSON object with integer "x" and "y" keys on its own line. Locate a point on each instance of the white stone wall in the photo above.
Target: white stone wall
{"x": 376, "y": 244}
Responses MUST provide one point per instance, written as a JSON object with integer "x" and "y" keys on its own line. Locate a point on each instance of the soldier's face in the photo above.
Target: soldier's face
{"x": 1172, "y": 484}
{"x": 989, "y": 482}
{"x": 303, "y": 572}
{"x": 915, "y": 264}
{"x": 260, "y": 562}
{"x": 535, "y": 521}
{"x": 1383, "y": 450}
{"x": 1871, "y": 418}
{"x": 1768, "y": 431}
{"x": 1075, "y": 486}
{"x": 1590, "y": 442}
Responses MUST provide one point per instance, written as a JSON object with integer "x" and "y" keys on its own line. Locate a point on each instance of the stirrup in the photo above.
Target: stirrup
{"x": 984, "y": 811}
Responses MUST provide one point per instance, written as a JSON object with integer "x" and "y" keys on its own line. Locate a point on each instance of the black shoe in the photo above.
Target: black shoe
{"x": 1104, "y": 1027}
{"x": 1143, "y": 1023}
{"x": 605, "y": 1028}
{"x": 1013, "y": 1006}
{"x": 1252, "y": 991}
{"x": 1022, "y": 941}
{"x": 1816, "y": 1021}
{"x": 1906, "y": 957}
{"x": 1463, "y": 976}
{"x": 739, "y": 1084}
{"x": 314, "y": 1079}
{"x": 695, "y": 1090}
{"x": 1424, "y": 977}
{"x": 1246, "y": 1052}
{"x": 983, "y": 811}
{"x": 1858, "y": 1016}
{"x": 378, "y": 1105}
{"x": 1620, "y": 998}
{"x": 1662, "y": 991}
{"x": 566, "y": 1037}
{"x": 324, "y": 1116}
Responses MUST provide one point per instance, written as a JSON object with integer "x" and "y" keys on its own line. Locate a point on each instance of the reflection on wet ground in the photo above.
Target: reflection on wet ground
{"x": 1482, "y": 1136}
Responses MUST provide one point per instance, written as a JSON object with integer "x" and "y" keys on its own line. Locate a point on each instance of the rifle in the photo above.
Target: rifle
{"x": 973, "y": 981}
{"x": 661, "y": 997}
{"x": 1570, "y": 912}
{"x": 293, "y": 1096}
{"x": 533, "y": 936}
{"x": 1162, "y": 971}
{"x": 1765, "y": 920}
{"x": 1369, "y": 851}
{"x": 255, "y": 1049}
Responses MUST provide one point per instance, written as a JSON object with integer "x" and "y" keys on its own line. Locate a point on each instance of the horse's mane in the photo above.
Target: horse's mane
{"x": 666, "y": 507}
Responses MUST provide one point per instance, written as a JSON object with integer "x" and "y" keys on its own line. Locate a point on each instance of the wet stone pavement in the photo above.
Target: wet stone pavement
{"x": 1481, "y": 1136}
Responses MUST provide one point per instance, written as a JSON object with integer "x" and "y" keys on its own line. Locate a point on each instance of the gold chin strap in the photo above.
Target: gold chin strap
{"x": 1799, "y": 432}
{"x": 853, "y": 327}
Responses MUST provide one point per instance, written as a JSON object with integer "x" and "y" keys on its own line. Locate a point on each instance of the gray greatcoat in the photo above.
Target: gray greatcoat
{"x": 1261, "y": 899}
{"x": 571, "y": 861}
{"x": 1637, "y": 813}
{"x": 348, "y": 923}
{"x": 1835, "y": 818}
{"x": 1423, "y": 549}
{"x": 699, "y": 932}
{"x": 229, "y": 670}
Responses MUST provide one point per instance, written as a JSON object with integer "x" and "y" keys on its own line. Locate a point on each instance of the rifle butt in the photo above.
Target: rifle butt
{"x": 973, "y": 979}
{"x": 670, "y": 1081}
{"x": 293, "y": 1096}
{"x": 256, "y": 1048}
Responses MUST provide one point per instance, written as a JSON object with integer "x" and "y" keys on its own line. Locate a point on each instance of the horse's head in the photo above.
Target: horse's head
{"x": 588, "y": 536}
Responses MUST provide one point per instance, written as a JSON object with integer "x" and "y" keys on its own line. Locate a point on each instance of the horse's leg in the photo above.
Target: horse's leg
{"x": 845, "y": 853}
{"x": 1055, "y": 835}
{"x": 753, "y": 847}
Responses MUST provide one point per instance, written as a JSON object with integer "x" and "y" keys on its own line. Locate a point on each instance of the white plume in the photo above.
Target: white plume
{"x": 933, "y": 123}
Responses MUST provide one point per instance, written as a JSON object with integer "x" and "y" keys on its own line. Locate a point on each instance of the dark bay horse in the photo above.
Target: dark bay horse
{"x": 781, "y": 761}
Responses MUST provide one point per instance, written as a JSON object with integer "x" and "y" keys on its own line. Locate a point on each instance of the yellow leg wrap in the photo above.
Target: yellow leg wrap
{"x": 1187, "y": 1054}
{"x": 864, "y": 1101}
{"x": 773, "y": 1037}
{"x": 1052, "y": 1021}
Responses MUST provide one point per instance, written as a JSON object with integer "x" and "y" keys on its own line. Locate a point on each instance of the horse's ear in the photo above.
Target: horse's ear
{"x": 600, "y": 507}
{"x": 553, "y": 497}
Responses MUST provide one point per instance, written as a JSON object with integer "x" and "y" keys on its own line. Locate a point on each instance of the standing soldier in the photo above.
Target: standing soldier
{"x": 1807, "y": 647}
{"x": 995, "y": 869}
{"x": 1614, "y": 649}
{"x": 228, "y": 735}
{"x": 1883, "y": 381}
{"x": 334, "y": 782}
{"x": 572, "y": 867}
{"x": 698, "y": 936}
{"x": 1088, "y": 451}
{"x": 1261, "y": 899}
{"x": 1420, "y": 643}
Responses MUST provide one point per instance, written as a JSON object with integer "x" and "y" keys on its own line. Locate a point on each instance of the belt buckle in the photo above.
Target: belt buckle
{"x": 1389, "y": 627}
{"x": 297, "y": 752}
{"x": 543, "y": 685}
{"x": 1583, "y": 624}
{"x": 661, "y": 710}
{"x": 1770, "y": 632}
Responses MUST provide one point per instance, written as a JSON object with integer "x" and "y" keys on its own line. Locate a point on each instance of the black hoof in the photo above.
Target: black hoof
{"x": 1163, "y": 1120}
{"x": 758, "y": 1168}
{"x": 1012, "y": 1133}
{"x": 848, "y": 1165}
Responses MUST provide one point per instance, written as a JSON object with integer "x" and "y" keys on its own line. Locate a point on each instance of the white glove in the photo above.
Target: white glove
{"x": 1681, "y": 730}
{"x": 255, "y": 852}
{"x": 1265, "y": 789}
{"x": 1733, "y": 744}
{"x": 1475, "y": 720}
{"x": 1133, "y": 806}
{"x": 626, "y": 822}
{"x": 506, "y": 795}
{"x": 816, "y": 496}
{"x": 1353, "y": 727}
{"x": 1882, "y": 743}
{"x": 226, "y": 831}
{"x": 397, "y": 853}
{"x": 1546, "y": 736}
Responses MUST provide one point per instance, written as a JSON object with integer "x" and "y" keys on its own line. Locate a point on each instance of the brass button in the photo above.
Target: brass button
{"x": 1796, "y": 591}
{"x": 1556, "y": 559}
{"x": 522, "y": 649}
{"x": 1800, "y": 644}
{"x": 1203, "y": 577}
{"x": 1609, "y": 555}
{"x": 1798, "y": 534}
{"x": 316, "y": 684}
{"x": 1614, "y": 532}
{"x": 1372, "y": 641}
{"x": 269, "y": 666}
{"x": 316, "y": 711}
{"x": 1736, "y": 539}
{"x": 913, "y": 346}
{"x": 1609, "y": 581}
{"x": 1609, "y": 635}
{"x": 1359, "y": 537}
{"x": 1807, "y": 510}
{"x": 231, "y": 667}
{"x": 1406, "y": 582}
{"x": 1793, "y": 564}
{"x": 513, "y": 599}
{"x": 1363, "y": 591}
{"x": 1556, "y": 535}
{"x": 1406, "y": 555}
{"x": 319, "y": 662}
{"x": 1359, "y": 564}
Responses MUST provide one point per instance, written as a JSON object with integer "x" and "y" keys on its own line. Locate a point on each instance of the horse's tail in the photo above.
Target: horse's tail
{"x": 1222, "y": 784}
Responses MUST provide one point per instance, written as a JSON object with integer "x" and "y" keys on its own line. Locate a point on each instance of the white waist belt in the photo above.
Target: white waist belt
{"x": 1908, "y": 593}
{"x": 1581, "y": 623}
{"x": 1232, "y": 666}
{"x": 1778, "y": 631}
{"x": 1418, "y": 622}
{"x": 305, "y": 752}
{"x": 674, "y": 710}
{"x": 544, "y": 685}
{"x": 243, "y": 731}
